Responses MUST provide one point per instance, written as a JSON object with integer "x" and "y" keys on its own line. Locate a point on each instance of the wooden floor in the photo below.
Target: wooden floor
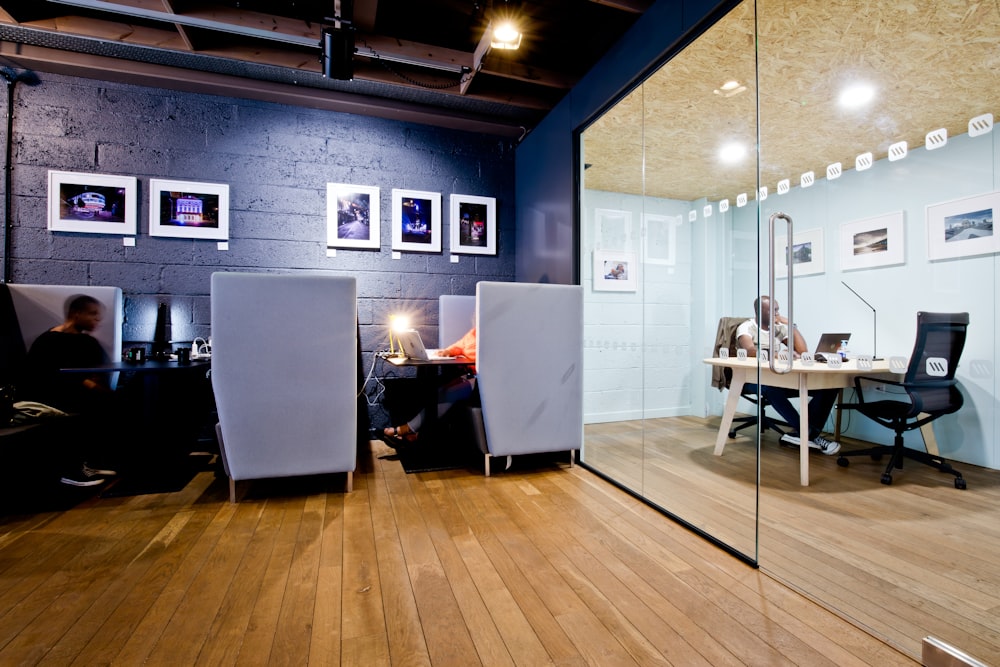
{"x": 916, "y": 558}
{"x": 547, "y": 565}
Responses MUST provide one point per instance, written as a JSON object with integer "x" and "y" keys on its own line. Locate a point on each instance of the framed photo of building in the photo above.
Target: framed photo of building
{"x": 473, "y": 225}
{"x": 872, "y": 242}
{"x": 615, "y": 271}
{"x": 963, "y": 227}
{"x": 185, "y": 209}
{"x": 416, "y": 221}
{"x": 807, "y": 254}
{"x": 92, "y": 203}
{"x": 352, "y": 216}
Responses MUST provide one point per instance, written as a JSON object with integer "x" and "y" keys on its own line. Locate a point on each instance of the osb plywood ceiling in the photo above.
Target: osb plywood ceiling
{"x": 933, "y": 63}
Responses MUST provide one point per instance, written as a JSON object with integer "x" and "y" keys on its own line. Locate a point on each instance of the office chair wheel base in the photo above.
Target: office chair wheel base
{"x": 732, "y": 434}
{"x": 959, "y": 483}
{"x": 876, "y": 457}
{"x": 843, "y": 462}
{"x": 886, "y": 478}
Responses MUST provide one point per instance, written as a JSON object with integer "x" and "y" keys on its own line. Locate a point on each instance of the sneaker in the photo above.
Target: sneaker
{"x": 828, "y": 447}
{"x": 81, "y": 479}
{"x": 97, "y": 472}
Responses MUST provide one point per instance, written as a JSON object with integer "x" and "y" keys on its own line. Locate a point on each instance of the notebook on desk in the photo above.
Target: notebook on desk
{"x": 413, "y": 346}
{"x": 829, "y": 343}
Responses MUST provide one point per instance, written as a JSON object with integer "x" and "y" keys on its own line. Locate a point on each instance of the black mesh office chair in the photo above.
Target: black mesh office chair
{"x": 929, "y": 384}
{"x": 727, "y": 332}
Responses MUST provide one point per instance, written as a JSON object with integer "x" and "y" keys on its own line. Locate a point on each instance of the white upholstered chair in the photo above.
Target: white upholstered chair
{"x": 284, "y": 372}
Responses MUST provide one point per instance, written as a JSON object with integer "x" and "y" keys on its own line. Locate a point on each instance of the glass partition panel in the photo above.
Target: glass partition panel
{"x": 665, "y": 259}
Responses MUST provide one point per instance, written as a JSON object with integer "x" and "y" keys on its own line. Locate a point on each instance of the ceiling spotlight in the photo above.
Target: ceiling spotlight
{"x": 730, "y": 88}
{"x": 857, "y": 95}
{"x": 506, "y": 36}
{"x": 732, "y": 153}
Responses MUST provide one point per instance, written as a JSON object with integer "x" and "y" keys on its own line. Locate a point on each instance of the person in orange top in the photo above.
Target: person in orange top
{"x": 448, "y": 394}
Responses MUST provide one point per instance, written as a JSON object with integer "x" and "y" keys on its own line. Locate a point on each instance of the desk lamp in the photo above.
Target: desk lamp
{"x": 397, "y": 323}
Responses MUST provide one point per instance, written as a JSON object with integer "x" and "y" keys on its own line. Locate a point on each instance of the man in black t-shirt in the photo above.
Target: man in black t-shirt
{"x": 70, "y": 345}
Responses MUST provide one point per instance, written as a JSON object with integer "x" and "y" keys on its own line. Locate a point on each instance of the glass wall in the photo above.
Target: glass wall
{"x": 870, "y": 127}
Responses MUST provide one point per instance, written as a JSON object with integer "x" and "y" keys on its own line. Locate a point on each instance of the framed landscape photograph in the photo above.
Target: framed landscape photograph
{"x": 92, "y": 203}
{"x": 872, "y": 242}
{"x": 416, "y": 221}
{"x": 473, "y": 225}
{"x": 189, "y": 210}
{"x": 352, "y": 216}
{"x": 807, "y": 254}
{"x": 963, "y": 227}
{"x": 615, "y": 271}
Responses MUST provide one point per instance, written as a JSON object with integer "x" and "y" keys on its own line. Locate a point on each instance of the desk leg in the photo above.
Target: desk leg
{"x": 803, "y": 430}
{"x": 930, "y": 440}
{"x": 735, "y": 389}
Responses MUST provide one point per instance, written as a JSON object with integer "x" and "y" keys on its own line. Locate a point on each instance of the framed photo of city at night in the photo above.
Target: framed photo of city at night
{"x": 92, "y": 203}
{"x": 416, "y": 221}
{"x": 188, "y": 210}
{"x": 352, "y": 216}
{"x": 473, "y": 225}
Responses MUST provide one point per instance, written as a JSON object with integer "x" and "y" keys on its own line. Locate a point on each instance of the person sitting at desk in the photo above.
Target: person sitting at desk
{"x": 821, "y": 401}
{"x": 449, "y": 393}
{"x": 70, "y": 345}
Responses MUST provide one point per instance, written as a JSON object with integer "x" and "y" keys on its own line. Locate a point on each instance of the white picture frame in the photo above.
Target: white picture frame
{"x": 615, "y": 271}
{"x": 416, "y": 221}
{"x": 612, "y": 229}
{"x": 659, "y": 234}
{"x": 352, "y": 216}
{"x": 963, "y": 227}
{"x": 188, "y": 209}
{"x": 807, "y": 253}
{"x": 473, "y": 225}
{"x": 873, "y": 242}
{"x": 83, "y": 203}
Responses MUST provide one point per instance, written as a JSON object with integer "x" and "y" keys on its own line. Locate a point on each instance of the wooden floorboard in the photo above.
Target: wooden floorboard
{"x": 542, "y": 565}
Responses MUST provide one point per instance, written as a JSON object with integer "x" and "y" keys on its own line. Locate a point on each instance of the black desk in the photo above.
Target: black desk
{"x": 427, "y": 373}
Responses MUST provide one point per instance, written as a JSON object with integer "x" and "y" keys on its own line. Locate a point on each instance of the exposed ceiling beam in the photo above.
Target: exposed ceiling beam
{"x": 181, "y": 30}
{"x": 633, "y": 6}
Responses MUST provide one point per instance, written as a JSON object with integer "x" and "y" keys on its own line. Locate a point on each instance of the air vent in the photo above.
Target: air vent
{"x": 723, "y": 206}
{"x": 834, "y": 171}
{"x": 981, "y": 125}
{"x": 783, "y": 186}
{"x": 741, "y": 200}
{"x": 936, "y": 139}
{"x": 807, "y": 179}
{"x": 707, "y": 211}
{"x": 692, "y": 216}
{"x": 762, "y": 193}
{"x": 897, "y": 151}
{"x": 863, "y": 161}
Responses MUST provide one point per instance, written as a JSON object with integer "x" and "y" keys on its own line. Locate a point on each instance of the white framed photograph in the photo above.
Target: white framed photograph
{"x": 416, "y": 221}
{"x": 352, "y": 216}
{"x": 473, "y": 225}
{"x": 612, "y": 229}
{"x": 660, "y": 238}
{"x": 872, "y": 242}
{"x": 615, "y": 271}
{"x": 963, "y": 227}
{"x": 807, "y": 253}
{"x": 92, "y": 203}
{"x": 188, "y": 210}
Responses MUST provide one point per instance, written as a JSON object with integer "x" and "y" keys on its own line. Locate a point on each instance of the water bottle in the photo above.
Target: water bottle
{"x": 843, "y": 350}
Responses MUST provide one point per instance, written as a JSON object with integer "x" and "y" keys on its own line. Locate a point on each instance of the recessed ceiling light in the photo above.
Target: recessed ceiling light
{"x": 732, "y": 152}
{"x": 730, "y": 88}
{"x": 857, "y": 95}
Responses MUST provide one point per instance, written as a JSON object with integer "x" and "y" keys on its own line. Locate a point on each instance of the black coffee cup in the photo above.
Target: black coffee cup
{"x": 184, "y": 355}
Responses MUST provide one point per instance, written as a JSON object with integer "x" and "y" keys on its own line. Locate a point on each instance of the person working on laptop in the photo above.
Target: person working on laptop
{"x": 753, "y": 335}
{"x": 448, "y": 394}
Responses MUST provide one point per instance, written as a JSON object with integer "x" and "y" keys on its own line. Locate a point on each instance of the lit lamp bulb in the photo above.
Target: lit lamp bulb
{"x": 506, "y": 36}
{"x": 397, "y": 324}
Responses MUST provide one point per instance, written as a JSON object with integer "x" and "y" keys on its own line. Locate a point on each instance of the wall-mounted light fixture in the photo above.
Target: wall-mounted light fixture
{"x": 505, "y": 25}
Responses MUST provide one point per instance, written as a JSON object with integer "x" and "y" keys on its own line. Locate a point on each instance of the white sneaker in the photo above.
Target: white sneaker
{"x": 97, "y": 472}
{"x": 828, "y": 447}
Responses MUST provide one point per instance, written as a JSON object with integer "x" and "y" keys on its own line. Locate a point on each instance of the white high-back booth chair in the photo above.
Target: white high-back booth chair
{"x": 284, "y": 372}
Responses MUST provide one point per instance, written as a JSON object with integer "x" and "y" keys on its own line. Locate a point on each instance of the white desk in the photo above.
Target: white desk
{"x": 801, "y": 377}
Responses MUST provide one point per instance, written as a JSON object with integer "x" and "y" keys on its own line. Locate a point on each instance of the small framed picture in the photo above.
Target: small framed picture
{"x": 352, "y": 216}
{"x": 189, "y": 210}
{"x": 963, "y": 227}
{"x": 807, "y": 254}
{"x": 872, "y": 242}
{"x": 92, "y": 203}
{"x": 473, "y": 225}
{"x": 416, "y": 221}
{"x": 615, "y": 271}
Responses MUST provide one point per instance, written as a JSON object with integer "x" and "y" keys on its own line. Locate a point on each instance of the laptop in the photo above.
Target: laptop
{"x": 829, "y": 343}
{"x": 413, "y": 346}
